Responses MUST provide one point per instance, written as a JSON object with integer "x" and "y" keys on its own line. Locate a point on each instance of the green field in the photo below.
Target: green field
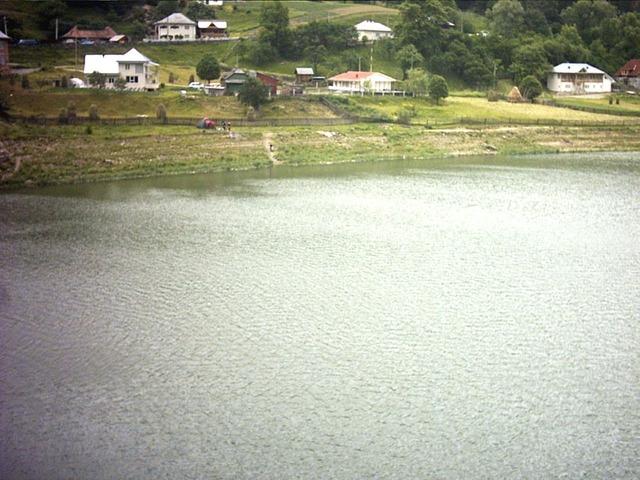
{"x": 628, "y": 104}
{"x": 459, "y": 108}
{"x": 58, "y": 154}
{"x": 130, "y": 104}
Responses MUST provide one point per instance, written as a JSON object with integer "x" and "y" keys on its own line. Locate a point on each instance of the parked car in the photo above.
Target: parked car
{"x": 196, "y": 85}
{"x": 27, "y": 42}
{"x": 87, "y": 42}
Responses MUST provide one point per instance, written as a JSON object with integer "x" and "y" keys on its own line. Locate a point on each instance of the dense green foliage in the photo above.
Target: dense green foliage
{"x": 208, "y": 68}
{"x": 530, "y": 87}
{"x": 253, "y": 93}
{"x": 438, "y": 88}
{"x": 473, "y": 42}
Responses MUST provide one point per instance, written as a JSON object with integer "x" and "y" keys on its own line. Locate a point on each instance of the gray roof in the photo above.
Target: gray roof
{"x": 176, "y": 18}
{"x": 4, "y": 37}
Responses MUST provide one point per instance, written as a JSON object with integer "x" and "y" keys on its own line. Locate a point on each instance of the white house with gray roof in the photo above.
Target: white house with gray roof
{"x": 175, "y": 27}
{"x": 138, "y": 71}
{"x": 578, "y": 78}
{"x": 372, "y": 31}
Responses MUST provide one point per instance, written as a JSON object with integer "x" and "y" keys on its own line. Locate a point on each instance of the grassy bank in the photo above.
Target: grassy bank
{"x": 69, "y": 154}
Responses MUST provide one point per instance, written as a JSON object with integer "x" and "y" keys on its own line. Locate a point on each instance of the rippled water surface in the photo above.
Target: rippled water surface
{"x": 446, "y": 319}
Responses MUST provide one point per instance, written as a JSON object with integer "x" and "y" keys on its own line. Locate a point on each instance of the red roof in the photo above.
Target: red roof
{"x": 104, "y": 34}
{"x": 630, "y": 69}
{"x": 352, "y": 75}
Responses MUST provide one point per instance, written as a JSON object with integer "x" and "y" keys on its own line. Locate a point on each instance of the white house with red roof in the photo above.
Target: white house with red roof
{"x": 361, "y": 82}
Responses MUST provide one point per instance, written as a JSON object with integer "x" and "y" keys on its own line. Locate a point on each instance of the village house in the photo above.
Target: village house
{"x": 372, "y": 31}
{"x": 212, "y": 29}
{"x": 304, "y": 74}
{"x": 175, "y": 27}
{"x": 121, "y": 39}
{"x": 361, "y": 82}
{"x": 629, "y": 74}
{"x": 77, "y": 34}
{"x": 212, "y": 3}
{"x": 4, "y": 54}
{"x": 234, "y": 79}
{"x": 138, "y": 71}
{"x": 578, "y": 79}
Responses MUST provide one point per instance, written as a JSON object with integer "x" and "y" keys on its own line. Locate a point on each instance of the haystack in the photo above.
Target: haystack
{"x": 515, "y": 96}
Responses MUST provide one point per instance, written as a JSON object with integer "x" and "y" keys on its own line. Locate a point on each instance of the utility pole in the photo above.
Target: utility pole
{"x": 6, "y": 32}
{"x": 359, "y": 67}
{"x": 56, "y": 29}
{"x": 76, "y": 44}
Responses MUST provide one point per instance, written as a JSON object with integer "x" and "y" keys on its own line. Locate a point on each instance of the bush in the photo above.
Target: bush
{"x": 438, "y": 88}
{"x": 72, "y": 111}
{"x": 64, "y": 82}
{"x": 192, "y": 78}
{"x": 530, "y": 87}
{"x": 161, "y": 113}
{"x": 493, "y": 96}
{"x": 162, "y": 85}
{"x": 93, "y": 112}
{"x": 88, "y": 130}
{"x": 24, "y": 82}
{"x": 406, "y": 114}
{"x": 63, "y": 116}
{"x": 172, "y": 78}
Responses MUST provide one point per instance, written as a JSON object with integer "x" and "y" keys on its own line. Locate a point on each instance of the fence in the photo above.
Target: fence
{"x": 603, "y": 110}
{"x": 187, "y": 121}
{"x": 347, "y": 119}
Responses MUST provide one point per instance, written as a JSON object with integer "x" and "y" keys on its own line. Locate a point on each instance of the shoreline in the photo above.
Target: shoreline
{"x": 80, "y": 158}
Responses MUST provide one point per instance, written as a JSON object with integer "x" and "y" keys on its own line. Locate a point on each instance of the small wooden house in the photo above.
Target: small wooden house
{"x": 212, "y": 29}
{"x": 236, "y": 78}
{"x": 4, "y": 54}
{"x": 304, "y": 74}
{"x": 76, "y": 34}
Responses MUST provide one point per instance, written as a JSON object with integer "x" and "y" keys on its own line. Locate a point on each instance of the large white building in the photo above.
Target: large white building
{"x": 372, "y": 31}
{"x": 175, "y": 27}
{"x": 361, "y": 82}
{"x": 138, "y": 71}
{"x": 578, "y": 78}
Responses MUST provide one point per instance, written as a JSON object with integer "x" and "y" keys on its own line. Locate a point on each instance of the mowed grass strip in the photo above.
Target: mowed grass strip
{"x": 453, "y": 109}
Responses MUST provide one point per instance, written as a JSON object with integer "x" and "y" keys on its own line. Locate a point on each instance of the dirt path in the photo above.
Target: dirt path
{"x": 267, "y": 140}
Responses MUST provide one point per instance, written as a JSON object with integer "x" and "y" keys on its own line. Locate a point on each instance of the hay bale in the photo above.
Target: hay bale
{"x": 515, "y": 96}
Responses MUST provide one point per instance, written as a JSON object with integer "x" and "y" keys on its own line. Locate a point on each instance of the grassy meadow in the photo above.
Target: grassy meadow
{"x": 69, "y": 154}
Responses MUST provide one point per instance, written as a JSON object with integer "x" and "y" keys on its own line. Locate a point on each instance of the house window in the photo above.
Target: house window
{"x": 111, "y": 80}
{"x": 175, "y": 27}
{"x": 138, "y": 68}
{"x": 132, "y": 79}
{"x": 127, "y": 66}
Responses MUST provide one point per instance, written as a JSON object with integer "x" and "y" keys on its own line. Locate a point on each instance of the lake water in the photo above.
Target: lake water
{"x": 458, "y": 318}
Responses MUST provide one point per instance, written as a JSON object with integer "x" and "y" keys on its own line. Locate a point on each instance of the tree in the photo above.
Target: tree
{"x": 530, "y": 59}
{"x": 253, "y": 93}
{"x": 530, "y": 87}
{"x": 166, "y": 8}
{"x": 409, "y": 57}
{"x": 257, "y": 53}
{"x": 567, "y": 46}
{"x": 93, "y": 112}
{"x": 588, "y": 16}
{"x": 438, "y": 88}
{"x": 97, "y": 79}
{"x": 72, "y": 111}
{"x": 421, "y": 24}
{"x": 161, "y": 113}
{"x": 417, "y": 81}
{"x": 274, "y": 20}
{"x": 4, "y": 103}
{"x": 507, "y": 17}
{"x": 199, "y": 11}
{"x": 120, "y": 83}
{"x": 24, "y": 82}
{"x": 208, "y": 68}
{"x": 315, "y": 54}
